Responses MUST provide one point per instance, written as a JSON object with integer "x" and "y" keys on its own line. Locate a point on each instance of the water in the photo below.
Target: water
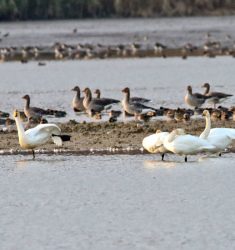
{"x": 116, "y": 202}
{"x": 170, "y": 31}
{"x": 162, "y": 80}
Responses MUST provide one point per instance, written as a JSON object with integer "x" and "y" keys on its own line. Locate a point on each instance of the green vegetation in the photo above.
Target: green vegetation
{"x": 62, "y": 9}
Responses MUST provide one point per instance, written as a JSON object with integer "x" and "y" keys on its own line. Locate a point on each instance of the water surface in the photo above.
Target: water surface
{"x": 116, "y": 202}
{"x": 170, "y": 31}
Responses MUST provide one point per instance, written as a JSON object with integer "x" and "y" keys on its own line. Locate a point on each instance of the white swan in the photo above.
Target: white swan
{"x": 221, "y": 138}
{"x": 38, "y": 135}
{"x": 184, "y": 144}
{"x": 154, "y": 143}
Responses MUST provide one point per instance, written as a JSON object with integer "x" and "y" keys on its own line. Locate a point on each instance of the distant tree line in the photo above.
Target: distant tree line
{"x": 63, "y": 9}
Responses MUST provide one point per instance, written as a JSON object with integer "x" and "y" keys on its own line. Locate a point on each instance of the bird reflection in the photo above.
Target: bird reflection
{"x": 154, "y": 164}
{"x": 28, "y": 162}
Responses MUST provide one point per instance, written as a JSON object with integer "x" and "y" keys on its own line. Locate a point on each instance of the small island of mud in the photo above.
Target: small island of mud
{"x": 105, "y": 137}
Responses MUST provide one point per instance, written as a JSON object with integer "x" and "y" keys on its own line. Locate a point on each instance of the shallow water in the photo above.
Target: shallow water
{"x": 162, "y": 80}
{"x": 117, "y": 202}
{"x": 170, "y": 31}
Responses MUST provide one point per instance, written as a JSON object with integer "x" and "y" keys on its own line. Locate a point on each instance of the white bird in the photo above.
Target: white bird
{"x": 184, "y": 144}
{"x": 38, "y": 135}
{"x": 154, "y": 143}
{"x": 221, "y": 138}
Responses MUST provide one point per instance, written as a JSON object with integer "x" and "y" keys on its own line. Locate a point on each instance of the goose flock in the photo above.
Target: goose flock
{"x": 211, "y": 47}
{"x": 214, "y": 140}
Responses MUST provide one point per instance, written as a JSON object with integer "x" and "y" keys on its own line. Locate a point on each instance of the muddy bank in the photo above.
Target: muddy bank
{"x": 102, "y": 52}
{"x": 107, "y": 137}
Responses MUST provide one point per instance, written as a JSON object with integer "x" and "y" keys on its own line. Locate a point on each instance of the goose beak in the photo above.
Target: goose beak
{"x": 24, "y": 97}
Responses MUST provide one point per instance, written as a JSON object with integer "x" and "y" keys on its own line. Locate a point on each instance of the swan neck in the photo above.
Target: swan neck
{"x": 20, "y": 127}
{"x": 207, "y": 129}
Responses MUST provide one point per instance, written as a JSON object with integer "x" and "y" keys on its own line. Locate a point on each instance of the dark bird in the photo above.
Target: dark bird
{"x": 214, "y": 97}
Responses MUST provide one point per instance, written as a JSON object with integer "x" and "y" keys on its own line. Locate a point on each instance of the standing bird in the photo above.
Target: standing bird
{"x": 133, "y": 108}
{"x": 221, "y": 138}
{"x": 214, "y": 97}
{"x": 92, "y": 106}
{"x": 77, "y": 103}
{"x": 154, "y": 143}
{"x": 33, "y": 113}
{"x": 195, "y": 100}
{"x": 184, "y": 144}
{"x": 105, "y": 101}
{"x": 39, "y": 135}
{"x": 139, "y": 99}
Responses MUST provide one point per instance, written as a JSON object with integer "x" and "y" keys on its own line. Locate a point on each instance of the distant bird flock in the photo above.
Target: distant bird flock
{"x": 60, "y": 51}
{"x": 37, "y": 131}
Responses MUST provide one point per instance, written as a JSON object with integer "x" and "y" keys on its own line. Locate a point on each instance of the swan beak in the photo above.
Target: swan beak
{"x": 15, "y": 113}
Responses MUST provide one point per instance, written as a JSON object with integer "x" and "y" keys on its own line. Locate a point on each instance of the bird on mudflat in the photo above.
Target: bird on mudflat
{"x": 77, "y": 102}
{"x": 104, "y": 101}
{"x": 133, "y": 108}
{"x": 32, "y": 112}
{"x": 214, "y": 97}
{"x": 195, "y": 100}
{"x": 39, "y": 135}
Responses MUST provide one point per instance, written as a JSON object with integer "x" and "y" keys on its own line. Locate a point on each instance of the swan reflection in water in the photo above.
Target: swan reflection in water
{"x": 175, "y": 161}
{"x": 154, "y": 164}
{"x": 47, "y": 160}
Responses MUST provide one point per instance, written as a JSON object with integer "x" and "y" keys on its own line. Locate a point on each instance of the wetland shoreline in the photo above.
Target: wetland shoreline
{"x": 106, "y": 138}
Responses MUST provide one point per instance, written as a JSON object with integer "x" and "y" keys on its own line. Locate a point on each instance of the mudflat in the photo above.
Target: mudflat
{"x": 105, "y": 136}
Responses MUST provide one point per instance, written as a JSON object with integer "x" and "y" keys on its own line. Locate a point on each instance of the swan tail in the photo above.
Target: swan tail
{"x": 59, "y": 139}
{"x": 65, "y": 137}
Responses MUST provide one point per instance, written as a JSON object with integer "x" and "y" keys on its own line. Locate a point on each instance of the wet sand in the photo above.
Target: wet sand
{"x": 106, "y": 138}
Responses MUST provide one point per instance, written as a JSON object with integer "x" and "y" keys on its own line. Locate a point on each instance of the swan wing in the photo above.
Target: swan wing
{"x": 153, "y": 142}
{"x": 220, "y": 141}
{"x": 48, "y": 128}
{"x": 188, "y": 144}
{"x": 223, "y": 131}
